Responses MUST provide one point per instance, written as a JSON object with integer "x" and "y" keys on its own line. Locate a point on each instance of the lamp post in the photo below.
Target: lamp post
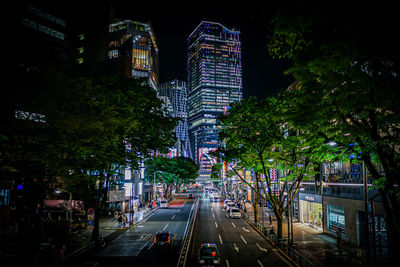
{"x": 59, "y": 191}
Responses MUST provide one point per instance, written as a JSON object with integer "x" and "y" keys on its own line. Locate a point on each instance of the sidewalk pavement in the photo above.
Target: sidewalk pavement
{"x": 318, "y": 247}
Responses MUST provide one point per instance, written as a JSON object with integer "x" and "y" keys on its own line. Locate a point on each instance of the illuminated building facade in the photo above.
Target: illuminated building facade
{"x": 214, "y": 81}
{"x": 176, "y": 95}
{"x": 133, "y": 48}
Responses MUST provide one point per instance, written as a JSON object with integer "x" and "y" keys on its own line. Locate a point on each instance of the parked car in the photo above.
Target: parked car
{"x": 208, "y": 255}
{"x": 235, "y": 213}
{"x": 163, "y": 240}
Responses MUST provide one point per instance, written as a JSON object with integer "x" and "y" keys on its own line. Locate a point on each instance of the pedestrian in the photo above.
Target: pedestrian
{"x": 125, "y": 220}
{"x": 119, "y": 220}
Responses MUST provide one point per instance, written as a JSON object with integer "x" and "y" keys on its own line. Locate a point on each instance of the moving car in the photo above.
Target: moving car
{"x": 229, "y": 206}
{"x": 235, "y": 213}
{"x": 226, "y": 202}
{"x": 163, "y": 240}
{"x": 208, "y": 255}
{"x": 163, "y": 203}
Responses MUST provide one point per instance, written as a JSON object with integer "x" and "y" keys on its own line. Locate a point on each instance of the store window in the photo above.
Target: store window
{"x": 336, "y": 219}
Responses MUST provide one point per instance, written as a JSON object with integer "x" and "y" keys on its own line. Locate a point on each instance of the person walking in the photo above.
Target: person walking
{"x": 124, "y": 220}
{"x": 120, "y": 220}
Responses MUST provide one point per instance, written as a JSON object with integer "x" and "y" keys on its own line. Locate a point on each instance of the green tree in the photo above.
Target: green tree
{"x": 173, "y": 172}
{"x": 256, "y": 138}
{"x": 347, "y": 87}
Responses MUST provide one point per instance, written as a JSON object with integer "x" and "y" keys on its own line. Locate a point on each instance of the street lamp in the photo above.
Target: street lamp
{"x": 59, "y": 191}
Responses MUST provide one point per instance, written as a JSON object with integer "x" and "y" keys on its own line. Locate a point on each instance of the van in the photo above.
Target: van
{"x": 164, "y": 203}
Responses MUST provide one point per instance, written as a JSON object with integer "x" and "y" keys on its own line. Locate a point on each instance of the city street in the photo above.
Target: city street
{"x": 238, "y": 243}
{"x": 135, "y": 246}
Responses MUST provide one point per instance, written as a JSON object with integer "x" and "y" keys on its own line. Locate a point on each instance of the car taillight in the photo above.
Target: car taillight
{"x": 213, "y": 254}
{"x": 169, "y": 239}
{"x": 155, "y": 239}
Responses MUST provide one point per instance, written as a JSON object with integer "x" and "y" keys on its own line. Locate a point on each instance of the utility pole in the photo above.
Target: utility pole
{"x": 366, "y": 212}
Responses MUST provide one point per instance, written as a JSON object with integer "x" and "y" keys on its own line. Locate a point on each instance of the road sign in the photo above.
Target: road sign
{"x": 91, "y": 211}
{"x": 90, "y": 217}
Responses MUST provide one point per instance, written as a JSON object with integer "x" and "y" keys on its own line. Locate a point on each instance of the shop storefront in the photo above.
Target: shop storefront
{"x": 335, "y": 219}
{"x": 310, "y": 208}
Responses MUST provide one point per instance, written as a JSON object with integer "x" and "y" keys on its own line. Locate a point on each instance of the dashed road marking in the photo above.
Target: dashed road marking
{"x": 245, "y": 229}
{"x": 220, "y": 239}
{"x": 165, "y": 227}
{"x": 236, "y": 247}
{"x": 260, "y": 248}
{"x": 243, "y": 239}
{"x": 233, "y": 225}
{"x": 259, "y": 262}
{"x": 227, "y": 263}
{"x": 216, "y": 225}
{"x": 173, "y": 217}
{"x": 213, "y": 215}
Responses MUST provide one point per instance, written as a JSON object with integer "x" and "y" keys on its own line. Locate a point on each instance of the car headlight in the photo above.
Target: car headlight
{"x": 201, "y": 261}
{"x": 216, "y": 261}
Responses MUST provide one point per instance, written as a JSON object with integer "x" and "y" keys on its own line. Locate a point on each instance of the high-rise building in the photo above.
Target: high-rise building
{"x": 176, "y": 94}
{"x": 133, "y": 49}
{"x": 214, "y": 81}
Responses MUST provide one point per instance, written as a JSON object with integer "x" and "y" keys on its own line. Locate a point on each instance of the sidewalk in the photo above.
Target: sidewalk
{"x": 319, "y": 248}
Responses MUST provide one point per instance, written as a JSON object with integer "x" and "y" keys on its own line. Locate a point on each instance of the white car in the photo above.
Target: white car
{"x": 229, "y": 206}
{"x": 164, "y": 203}
{"x": 235, "y": 213}
{"x": 226, "y": 202}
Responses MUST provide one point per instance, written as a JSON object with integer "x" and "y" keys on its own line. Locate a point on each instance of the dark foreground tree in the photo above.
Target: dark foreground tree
{"x": 347, "y": 65}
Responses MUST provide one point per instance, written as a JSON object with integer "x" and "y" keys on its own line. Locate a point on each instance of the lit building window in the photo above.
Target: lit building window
{"x": 79, "y": 60}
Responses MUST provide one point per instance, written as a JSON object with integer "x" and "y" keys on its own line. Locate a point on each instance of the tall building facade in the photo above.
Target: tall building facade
{"x": 133, "y": 50}
{"x": 214, "y": 81}
{"x": 176, "y": 94}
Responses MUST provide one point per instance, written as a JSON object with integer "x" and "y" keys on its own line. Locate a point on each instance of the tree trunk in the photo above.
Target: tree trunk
{"x": 255, "y": 206}
{"x": 279, "y": 219}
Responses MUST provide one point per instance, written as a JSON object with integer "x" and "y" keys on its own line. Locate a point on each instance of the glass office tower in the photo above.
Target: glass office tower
{"x": 214, "y": 81}
{"x": 176, "y": 93}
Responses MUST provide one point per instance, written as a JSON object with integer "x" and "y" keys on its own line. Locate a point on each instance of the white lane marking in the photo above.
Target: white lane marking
{"x": 220, "y": 239}
{"x": 178, "y": 210}
{"x": 245, "y": 229}
{"x": 236, "y": 247}
{"x": 233, "y": 225}
{"x": 243, "y": 239}
{"x": 152, "y": 243}
{"x": 259, "y": 262}
{"x": 262, "y": 249}
{"x": 173, "y": 217}
{"x": 227, "y": 263}
{"x": 216, "y": 225}
{"x": 140, "y": 226}
{"x": 165, "y": 227}
{"x": 213, "y": 215}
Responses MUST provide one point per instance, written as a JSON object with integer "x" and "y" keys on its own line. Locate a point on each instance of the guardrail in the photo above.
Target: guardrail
{"x": 188, "y": 236}
{"x": 283, "y": 248}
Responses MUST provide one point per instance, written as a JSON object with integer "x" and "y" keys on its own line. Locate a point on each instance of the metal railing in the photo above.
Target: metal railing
{"x": 188, "y": 236}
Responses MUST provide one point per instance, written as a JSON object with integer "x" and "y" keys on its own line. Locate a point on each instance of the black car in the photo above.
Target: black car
{"x": 208, "y": 255}
{"x": 163, "y": 240}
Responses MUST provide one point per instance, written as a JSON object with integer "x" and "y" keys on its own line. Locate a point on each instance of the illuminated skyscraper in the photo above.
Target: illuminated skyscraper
{"x": 176, "y": 94}
{"x": 134, "y": 50}
{"x": 214, "y": 81}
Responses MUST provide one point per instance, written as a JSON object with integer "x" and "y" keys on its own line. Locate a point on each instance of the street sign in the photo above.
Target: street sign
{"x": 90, "y": 217}
{"x": 91, "y": 211}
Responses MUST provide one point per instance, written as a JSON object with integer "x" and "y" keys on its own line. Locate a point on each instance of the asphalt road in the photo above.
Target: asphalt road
{"x": 135, "y": 246}
{"x": 238, "y": 243}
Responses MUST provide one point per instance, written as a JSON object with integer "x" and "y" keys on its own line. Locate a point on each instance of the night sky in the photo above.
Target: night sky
{"x": 173, "y": 23}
